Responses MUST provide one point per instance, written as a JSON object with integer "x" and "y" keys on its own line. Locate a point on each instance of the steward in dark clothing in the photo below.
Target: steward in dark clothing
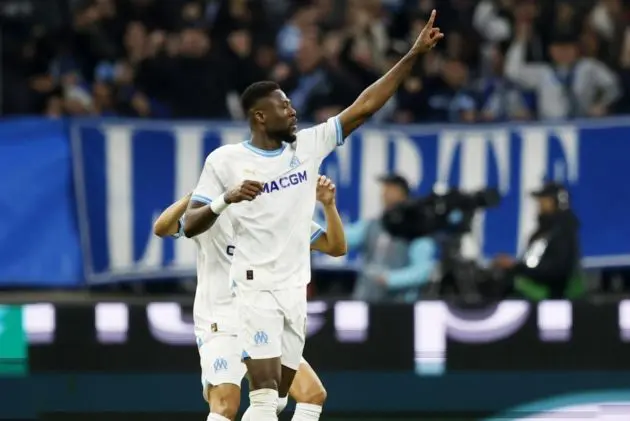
{"x": 550, "y": 266}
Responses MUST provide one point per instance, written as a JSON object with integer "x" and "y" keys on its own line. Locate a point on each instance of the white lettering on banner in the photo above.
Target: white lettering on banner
{"x": 120, "y": 229}
{"x": 535, "y": 143}
{"x": 374, "y": 157}
{"x": 373, "y": 164}
{"x": 315, "y": 320}
{"x": 474, "y": 167}
{"x": 189, "y": 159}
{"x": 435, "y": 321}
{"x": 232, "y": 135}
{"x": 624, "y": 320}
{"x": 112, "y": 322}
{"x": 351, "y": 321}
{"x": 38, "y": 321}
{"x": 167, "y": 324}
{"x": 119, "y": 193}
{"x": 555, "y": 319}
{"x": 408, "y": 160}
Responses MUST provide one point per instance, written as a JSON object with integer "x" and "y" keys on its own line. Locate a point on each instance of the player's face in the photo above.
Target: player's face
{"x": 281, "y": 119}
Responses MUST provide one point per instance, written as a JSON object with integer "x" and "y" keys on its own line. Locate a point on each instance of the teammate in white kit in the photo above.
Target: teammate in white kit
{"x": 268, "y": 183}
{"x": 215, "y": 313}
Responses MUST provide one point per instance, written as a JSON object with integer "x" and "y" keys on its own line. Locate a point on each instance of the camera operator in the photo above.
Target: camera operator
{"x": 550, "y": 266}
{"x": 393, "y": 269}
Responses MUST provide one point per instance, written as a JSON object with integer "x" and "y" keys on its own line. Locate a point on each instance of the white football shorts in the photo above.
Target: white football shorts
{"x": 220, "y": 356}
{"x": 273, "y": 324}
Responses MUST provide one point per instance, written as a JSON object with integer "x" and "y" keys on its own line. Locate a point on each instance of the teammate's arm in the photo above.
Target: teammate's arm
{"x": 333, "y": 240}
{"x": 168, "y": 223}
{"x": 376, "y": 95}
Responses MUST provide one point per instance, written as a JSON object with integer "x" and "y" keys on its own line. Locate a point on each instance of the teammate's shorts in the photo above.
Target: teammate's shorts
{"x": 220, "y": 356}
{"x": 273, "y": 324}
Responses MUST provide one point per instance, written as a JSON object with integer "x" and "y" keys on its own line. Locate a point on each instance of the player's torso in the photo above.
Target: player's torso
{"x": 213, "y": 297}
{"x": 273, "y": 231}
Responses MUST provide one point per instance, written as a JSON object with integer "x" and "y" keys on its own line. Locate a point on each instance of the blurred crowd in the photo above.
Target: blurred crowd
{"x": 501, "y": 59}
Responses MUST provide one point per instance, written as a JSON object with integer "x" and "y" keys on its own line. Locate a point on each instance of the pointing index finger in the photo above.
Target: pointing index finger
{"x": 431, "y": 19}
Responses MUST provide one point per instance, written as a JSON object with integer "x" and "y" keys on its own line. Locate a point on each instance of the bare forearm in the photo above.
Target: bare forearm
{"x": 198, "y": 220}
{"x": 334, "y": 230}
{"x": 168, "y": 221}
{"x": 374, "y": 97}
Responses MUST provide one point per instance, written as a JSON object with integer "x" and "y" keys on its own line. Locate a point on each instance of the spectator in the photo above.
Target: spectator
{"x": 189, "y": 58}
{"x": 316, "y": 89}
{"x": 201, "y": 89}
{"x": 550, "y": 266}
{"x": 393, "y": 269}
{"x": 442, "y": 98}
{"x": 303, "y": 20}
{"x": 570, "y": 86}
{"x": 498, "y": 98}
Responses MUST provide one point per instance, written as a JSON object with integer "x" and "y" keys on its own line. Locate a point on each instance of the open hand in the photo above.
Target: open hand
{"x": 325, "y": 190}
{"x": 429, "y": 36}
{"x": 248, "y": 190}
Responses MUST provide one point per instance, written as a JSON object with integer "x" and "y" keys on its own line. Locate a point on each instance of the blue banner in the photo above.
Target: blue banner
{"x": 39, "y": 240}
{"x": 128, "y": 171}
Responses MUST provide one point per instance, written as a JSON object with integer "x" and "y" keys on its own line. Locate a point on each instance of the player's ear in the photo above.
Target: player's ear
{"x": 259, "y": 116}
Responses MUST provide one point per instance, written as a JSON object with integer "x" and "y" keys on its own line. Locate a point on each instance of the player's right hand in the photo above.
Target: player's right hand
{"x": 247, "y": 190}
{"x": 428, "y": 37}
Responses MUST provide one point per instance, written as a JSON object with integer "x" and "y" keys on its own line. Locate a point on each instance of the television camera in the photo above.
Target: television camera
{"x": 446, "y": 216}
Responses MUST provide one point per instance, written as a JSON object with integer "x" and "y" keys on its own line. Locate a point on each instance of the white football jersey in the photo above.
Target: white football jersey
{"x": 213, "y": 297}
{"x": 272, "y": 231}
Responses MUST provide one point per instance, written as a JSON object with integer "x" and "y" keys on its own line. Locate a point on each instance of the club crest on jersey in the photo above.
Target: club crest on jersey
{"x": 284, "y": 182}
{"x": 295, "y": 162}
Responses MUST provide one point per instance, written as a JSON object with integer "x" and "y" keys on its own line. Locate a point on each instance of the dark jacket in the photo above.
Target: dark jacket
{"x": 552, "y": 257}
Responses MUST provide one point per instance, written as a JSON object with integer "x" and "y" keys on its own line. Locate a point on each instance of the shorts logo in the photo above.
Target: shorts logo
{"x": 220, "y": 364}
{"x": 261, "y": 338}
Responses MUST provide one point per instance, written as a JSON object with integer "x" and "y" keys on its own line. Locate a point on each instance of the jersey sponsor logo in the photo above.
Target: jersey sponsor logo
{"x": 230, "y": 250}
{"x": 285, "y": 182}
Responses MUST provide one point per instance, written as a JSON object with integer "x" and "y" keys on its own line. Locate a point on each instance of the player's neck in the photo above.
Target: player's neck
{"x": 264, "y": 142}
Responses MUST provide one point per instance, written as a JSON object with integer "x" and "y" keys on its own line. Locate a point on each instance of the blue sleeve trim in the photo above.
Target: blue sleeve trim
{"x": 202, "y": 199}
{"x": 180, "y": 229}
{"x": 340, "y": 139}
{"x": 316, "y": 235}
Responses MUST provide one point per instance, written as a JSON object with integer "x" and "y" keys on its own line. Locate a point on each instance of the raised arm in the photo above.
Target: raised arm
{"x": 376, "y": 95}
{"x": 333, "y": 240}
{"x": 168, "y": 223}
{"x": 528, "y": 75}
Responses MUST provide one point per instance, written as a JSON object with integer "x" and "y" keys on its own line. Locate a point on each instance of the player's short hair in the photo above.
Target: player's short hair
{"x": 257, "y": 91}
